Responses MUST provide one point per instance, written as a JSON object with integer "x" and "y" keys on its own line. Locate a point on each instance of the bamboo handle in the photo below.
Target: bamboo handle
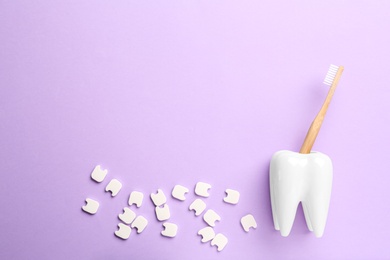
{"x": 317, "y": 122}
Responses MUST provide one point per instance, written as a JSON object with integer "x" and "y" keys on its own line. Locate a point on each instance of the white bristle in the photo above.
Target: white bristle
{"x": 331, "y": 75}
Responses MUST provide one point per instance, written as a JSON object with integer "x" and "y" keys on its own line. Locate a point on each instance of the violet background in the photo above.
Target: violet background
{"x": 174, "y": 92}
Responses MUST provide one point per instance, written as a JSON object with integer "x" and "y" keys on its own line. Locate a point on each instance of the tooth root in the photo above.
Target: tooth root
{"x": 317, "y": 206}
{"x": 307, "y": 217}
{"x": 317, "y": 201}
{"x": 317, "y": 212}
{"x": 285, "y": 187}
{"x": 286, "y": 209}
{"x": 273, "y": 207}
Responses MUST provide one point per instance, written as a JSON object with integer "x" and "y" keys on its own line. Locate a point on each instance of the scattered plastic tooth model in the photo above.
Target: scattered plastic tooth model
{"x": 207, "y": 234}
{"x": 170, "y": 230}
{"x": 201, "y": 189}
{"x": 140, "y": 224}
{"x": 158, "y": 198}
{"x": 136, "y": 198}
{"x": 232, "y": 197}
{"x": 98, "y": 174}
{"x": 247, "y": 222}
{"x": 127, "y": 216}
{"x": 123, "y": 232}
{"x": 91, "y": 207}
{"x": 114, "y": 186}
{"x": 163, "y": 213}
{"x": 198, "y": 206}
{"x": 179, "y": 192}
{"x": 210, "y": 217}
{"x": 220, "y": 241}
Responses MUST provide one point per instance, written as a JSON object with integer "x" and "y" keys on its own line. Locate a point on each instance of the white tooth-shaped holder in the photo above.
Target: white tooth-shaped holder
{"x": 306, "y": 178}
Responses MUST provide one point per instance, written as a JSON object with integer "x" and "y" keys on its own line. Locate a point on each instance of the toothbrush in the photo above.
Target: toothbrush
{"x": 332, "y": 79}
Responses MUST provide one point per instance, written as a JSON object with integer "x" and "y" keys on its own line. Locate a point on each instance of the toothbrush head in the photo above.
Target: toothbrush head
{"x": 331, "y": 75}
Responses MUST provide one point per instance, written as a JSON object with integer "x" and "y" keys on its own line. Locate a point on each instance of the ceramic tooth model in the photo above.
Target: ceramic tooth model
{"x": 304, "y": 177}
{"x": 296, "y": 178}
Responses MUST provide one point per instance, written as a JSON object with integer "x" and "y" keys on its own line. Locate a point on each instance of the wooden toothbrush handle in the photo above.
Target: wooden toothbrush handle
{"x": 317, "y": 122}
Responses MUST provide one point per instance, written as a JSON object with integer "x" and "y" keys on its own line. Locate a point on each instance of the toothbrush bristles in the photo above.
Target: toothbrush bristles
{"x": 331, "y": 75}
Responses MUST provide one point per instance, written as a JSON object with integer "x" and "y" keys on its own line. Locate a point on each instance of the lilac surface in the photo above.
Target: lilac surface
{"x": 174, "y": 92}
